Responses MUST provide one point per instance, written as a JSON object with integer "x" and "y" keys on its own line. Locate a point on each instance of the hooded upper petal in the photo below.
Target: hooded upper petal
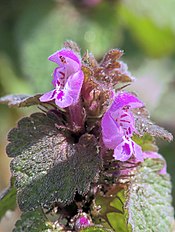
{"x": 67, "y": 53}
{"x": 66, "y": 58}
{"x": 67, "y": 79}
{"x": 125, "y": 99}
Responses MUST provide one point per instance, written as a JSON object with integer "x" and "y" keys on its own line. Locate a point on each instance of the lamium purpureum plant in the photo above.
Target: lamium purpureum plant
{"x": 88, "y": 161}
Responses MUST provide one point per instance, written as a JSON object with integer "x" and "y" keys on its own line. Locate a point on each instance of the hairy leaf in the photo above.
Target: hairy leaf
{"x": 140, "y": 201}
{"x": 95, "y": 97}
{"x": 149, "y": 201}
{"x": 48, "y": 165}
{"x": 111, "y": 57}
{"x": 69, "y": 44}
{"x": 34, "y": 221}
{"x": 112, "y": 71}
{"x": 89, "y": 59}
{"x": 7, "y": 200}
{"x": 145, "y": 125}
{"x": 21, "y": 100}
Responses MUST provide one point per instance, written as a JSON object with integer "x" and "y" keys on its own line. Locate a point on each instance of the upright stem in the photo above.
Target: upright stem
{"x": 77, "y": 117}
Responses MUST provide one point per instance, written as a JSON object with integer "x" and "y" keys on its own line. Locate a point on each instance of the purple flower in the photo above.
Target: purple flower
{"x": 82, "y": 220}
{"x": 67, "y": 79}
{"x": 118, "y": 127}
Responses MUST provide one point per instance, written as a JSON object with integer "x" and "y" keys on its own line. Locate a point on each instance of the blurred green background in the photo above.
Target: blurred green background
{"x": 31, "y": 30}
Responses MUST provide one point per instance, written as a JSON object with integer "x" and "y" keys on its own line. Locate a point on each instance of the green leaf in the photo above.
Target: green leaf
{"x": 112, "y": 213}
{"x": 149, "y": 202}
{"x": 21, "y": 100}
{"x": 147, "y": 142}
{"x": 139, "y": 201}
{"x": 7, "y": 200}
{"x": 34, "y": 221}
{"x": 95, "y": 229}
{"x": 48, "y": 165}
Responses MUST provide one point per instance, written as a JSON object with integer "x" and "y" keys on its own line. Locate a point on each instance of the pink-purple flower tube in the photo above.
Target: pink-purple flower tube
{"x": 118, "y": 127}
{"x": 67, "y": 79}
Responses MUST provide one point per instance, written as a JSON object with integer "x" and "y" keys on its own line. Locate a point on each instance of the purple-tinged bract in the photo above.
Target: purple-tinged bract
{"x": 118, "y": 127}
{"x": 67, "y": 79}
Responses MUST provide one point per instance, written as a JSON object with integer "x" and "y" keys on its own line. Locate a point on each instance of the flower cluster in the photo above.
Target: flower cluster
{"x": 118, "y": 123}
{"x": 67, "y": 79}
{"x": 118, "y": 127}
{"x": 93, "y": 143}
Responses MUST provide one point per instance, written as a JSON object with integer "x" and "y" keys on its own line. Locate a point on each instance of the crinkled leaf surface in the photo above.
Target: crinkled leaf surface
{"x": 47, "y": 164}
{"x": 109, "y": 71}
{"x": 141, "y": 201}
{"x": 145, "y": 125}
{"x": 69, "y": 44}
{"x": 33, "y": 221}
{"x": 95, "y": 96}
{"x": 7, "y": 200}
{"x": 149, "y": 201}
{"x": 21, "y": 100}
